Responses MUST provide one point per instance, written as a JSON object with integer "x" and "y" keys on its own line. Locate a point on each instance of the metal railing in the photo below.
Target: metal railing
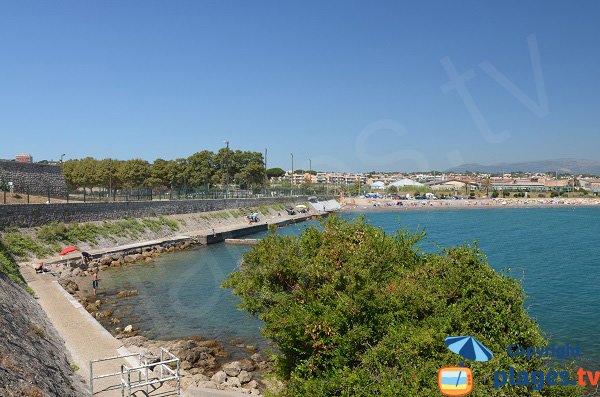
{"x": 110, "y": 375}
{"x": 127, "y": 374}
{"x": 163, "y": 364}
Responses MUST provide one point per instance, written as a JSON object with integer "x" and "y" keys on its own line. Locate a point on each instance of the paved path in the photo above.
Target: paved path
{"x": 85, "y": 338}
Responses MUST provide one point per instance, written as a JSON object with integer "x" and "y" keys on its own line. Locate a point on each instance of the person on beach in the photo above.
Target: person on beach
{"x": 95, "y": 281}
{"x": 39, "y": 267}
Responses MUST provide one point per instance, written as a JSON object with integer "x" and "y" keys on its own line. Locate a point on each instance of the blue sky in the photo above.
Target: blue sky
{"x": 351, "y": 85}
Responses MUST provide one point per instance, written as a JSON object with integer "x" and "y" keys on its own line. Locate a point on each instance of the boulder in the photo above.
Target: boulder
{"x": 256, "y": 357}
{"x": 219, "y": 377}
{"x": 232, "y": 369}
{"x": 207, "y": 384}
{"x": 247, "y": 365}
{"x": 251, "y": 385}
{"x": 244, "y": 377}
{"x": 255, "y": 392}
{"x": 234, "y": 382}
{"x": 128, "y": 329}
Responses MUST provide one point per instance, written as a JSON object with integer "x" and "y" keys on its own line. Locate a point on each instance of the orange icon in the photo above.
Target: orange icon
{"x": 455, "y": 381}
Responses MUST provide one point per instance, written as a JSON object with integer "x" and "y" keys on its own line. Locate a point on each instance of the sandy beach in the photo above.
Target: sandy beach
{"x": 364, "y": 204}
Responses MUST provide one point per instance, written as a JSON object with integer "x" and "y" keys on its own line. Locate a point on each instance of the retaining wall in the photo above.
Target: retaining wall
{"x": 34, "y": 178}
{"x": 29, "y": 215}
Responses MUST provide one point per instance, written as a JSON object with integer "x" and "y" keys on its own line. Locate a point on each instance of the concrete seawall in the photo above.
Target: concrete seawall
{"x": 30, "y": 215}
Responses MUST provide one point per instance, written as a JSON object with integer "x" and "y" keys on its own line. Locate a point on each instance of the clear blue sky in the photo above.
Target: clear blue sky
{"x": 351, "y": 85}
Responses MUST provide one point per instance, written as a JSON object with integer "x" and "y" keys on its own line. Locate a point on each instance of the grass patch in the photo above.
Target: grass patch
{"x": 10, "y": 268}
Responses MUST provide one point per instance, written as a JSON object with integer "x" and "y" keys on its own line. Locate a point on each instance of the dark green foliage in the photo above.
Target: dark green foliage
{"x": 495, "y": 194}
{"x": 356, "y": 312}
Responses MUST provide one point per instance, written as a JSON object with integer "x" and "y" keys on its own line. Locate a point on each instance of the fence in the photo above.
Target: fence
{"x": 12, "y": 196}
{"x": 142, "y": 370}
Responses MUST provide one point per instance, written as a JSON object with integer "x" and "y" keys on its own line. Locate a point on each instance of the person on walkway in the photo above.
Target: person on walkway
{"x": 95, "y": 281}
{"x": 39, "y": 267}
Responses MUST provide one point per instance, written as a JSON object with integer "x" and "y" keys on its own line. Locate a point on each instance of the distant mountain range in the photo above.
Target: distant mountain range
{"x": 569, "y": 166}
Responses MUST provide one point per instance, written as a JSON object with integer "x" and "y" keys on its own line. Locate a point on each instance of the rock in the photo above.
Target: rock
{"x": 219, "y": 377}
{"x": 124, "y": 294}
{"x": 115, "y": 321}
{"x": 201, "y": 378}
{"x": 255, "y": 392}
{"x": 76, "y": 272}
{"x": 105, "y": 260}
{"x": 92, "y": 307}
{"x": 104, "y": 314}
{"x": 185, "y": 365}
{"x": 247, "y": 365}
{"x": 115, "y": 263}
{"x": 128, "y": 329}
{"x": 233, "y": 382}
{"x": 244, "y": 377}
{"x": 207, "y": 384}
{"x": 251, "y": 385}
{"x": 70, "y": 286}
{"x": 251, "y": 348}
{"x": 232, "y": 369}
{"x": 256, "y": 357}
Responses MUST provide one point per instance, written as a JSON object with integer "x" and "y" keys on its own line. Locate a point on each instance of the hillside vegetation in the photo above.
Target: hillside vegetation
{"x": 356, "y": 312}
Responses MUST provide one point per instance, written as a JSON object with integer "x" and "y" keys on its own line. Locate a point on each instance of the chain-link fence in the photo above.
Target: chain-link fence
{"x": 11, "y": 194}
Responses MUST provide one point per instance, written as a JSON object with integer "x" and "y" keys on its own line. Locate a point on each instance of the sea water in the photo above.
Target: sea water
{"x": 554, "y": 252}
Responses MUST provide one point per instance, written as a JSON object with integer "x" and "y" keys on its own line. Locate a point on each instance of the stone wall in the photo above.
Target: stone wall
{"x": 33, "y": 178}
{"x": 33, "y": 359}
{"x": 29, "y": 215}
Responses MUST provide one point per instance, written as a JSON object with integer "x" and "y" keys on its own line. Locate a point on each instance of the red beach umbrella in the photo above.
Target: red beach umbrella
{"x": 68, "y": 250}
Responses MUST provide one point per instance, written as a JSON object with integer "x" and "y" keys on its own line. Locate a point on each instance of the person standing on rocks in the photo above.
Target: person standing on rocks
{"x": 95, "y": 281}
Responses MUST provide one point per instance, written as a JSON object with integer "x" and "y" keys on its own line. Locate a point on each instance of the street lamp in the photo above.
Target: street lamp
{"x": 61, "y": 157}
{"x": 292, "y": 176}
{"x": 227, "y": 169}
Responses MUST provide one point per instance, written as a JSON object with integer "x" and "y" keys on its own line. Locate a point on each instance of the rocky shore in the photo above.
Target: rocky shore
{"x": 204, "y": 363}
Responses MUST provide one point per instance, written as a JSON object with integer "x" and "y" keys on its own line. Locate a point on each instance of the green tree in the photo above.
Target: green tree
{"x": 202, "y": 166}
{"x": 275, "y": 172}
{"x": 354, "y": 311}
{"x": 133, "y": 173}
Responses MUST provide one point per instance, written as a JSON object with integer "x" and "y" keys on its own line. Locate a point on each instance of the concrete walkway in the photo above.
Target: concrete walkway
{"x": 84, "y": 337}
{"x": 87, "y": 340}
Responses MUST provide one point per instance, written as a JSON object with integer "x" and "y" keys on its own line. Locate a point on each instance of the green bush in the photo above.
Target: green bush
{"x": 10, "y": 268}
{"x": 356, "y": 312}
{"x": 495, "y": 194}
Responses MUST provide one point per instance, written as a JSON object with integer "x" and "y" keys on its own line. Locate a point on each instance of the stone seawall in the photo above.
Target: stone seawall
{"x": 33, "y": 178}
{"x": 30, "y": 215}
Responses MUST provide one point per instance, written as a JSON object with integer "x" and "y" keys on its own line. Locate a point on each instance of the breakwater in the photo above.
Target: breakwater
{"x": 31, "y": 215}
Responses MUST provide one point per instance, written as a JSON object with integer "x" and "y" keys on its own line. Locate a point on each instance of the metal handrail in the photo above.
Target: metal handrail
{"x": 92, "y": 362}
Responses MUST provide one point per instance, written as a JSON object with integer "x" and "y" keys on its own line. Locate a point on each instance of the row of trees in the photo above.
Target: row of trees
{"x": 203, "y": 169}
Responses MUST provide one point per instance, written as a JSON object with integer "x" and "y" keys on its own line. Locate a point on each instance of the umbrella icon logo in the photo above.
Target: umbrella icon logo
{"x": 458, "y": 381}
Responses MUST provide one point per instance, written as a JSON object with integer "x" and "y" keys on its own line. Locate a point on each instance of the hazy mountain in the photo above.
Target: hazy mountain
{"x": 570, "y": 166}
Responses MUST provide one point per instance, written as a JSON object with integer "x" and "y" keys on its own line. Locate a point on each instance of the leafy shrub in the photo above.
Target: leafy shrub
{"x": 356, "y": 312}
{"x": 495, "y": 194}
{"x": 11, "y": 269}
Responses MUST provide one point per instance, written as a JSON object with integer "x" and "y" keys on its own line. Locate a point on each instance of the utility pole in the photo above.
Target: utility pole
{"x": 109, "y": 177}
{"x": 292, "y": 176}
{"x": 227, "y": 170}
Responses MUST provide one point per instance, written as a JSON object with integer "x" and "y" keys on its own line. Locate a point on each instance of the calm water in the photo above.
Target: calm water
{"x": 554, "y": 251}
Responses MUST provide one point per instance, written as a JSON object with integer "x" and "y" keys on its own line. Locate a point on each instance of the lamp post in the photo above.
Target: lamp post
{"x": 61, "y": 157}
{"x": 227, "y": 169}
{"x": 292, "y": 176}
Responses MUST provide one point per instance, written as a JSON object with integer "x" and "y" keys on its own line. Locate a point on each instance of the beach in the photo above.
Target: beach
{"x": 367, "y": 204}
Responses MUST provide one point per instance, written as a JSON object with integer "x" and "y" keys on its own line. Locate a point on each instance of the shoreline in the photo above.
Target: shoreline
{"x": 387, "y": 205}
{"x": 205, "y": 368}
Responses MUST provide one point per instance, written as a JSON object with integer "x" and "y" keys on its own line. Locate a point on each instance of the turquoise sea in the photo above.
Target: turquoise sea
{"x": 555, "y": 252}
